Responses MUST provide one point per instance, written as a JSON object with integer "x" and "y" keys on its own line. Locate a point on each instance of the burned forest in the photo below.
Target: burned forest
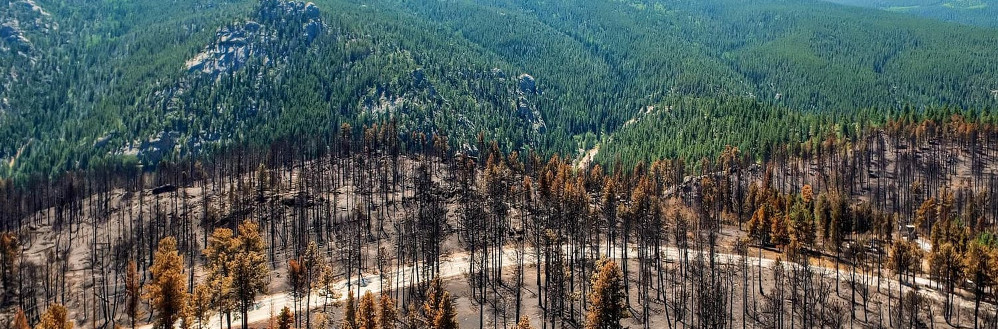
{"x": 374, "y": 228}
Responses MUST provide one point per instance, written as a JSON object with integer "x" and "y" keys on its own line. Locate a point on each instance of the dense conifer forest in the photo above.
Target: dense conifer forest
{"x": 971, "y": 12}
{"x": 95, "y": 85}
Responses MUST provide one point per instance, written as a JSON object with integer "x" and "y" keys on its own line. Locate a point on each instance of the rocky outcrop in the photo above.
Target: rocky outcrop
{"x": 19, "y": 19}
{"x": 294, "y": 17}
{"x": 528, "y": 85}
{"x": 152, "y": 150}
{"x": 276, "y": 24}
{"x": 30, "y": 5}
{"x": 531, "y": 115}
{"x": 160, "y": 145}
{"x": 231, "y": 50}
{"x": 13, "y": 38}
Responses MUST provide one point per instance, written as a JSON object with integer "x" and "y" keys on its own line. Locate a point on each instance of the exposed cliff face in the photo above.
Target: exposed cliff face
{"x": 262, "y": 38}
{"x": 232, "y": 48}
{"x": 526, "y": 89}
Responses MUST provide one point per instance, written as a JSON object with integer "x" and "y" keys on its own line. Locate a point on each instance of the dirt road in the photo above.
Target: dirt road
{"x": 455, "y": 265}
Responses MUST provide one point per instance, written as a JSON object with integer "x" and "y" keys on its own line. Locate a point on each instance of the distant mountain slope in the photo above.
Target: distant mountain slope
{"x": 88, "y": 65}
{"x": 143, "y": 81}
{"x": 972, "y": 12}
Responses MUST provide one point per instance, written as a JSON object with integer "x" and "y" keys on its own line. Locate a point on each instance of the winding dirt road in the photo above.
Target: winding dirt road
{"x": 455, "y": 265}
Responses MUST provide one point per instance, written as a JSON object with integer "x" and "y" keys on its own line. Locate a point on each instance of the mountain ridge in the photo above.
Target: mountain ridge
{"x": 450, "y": 68}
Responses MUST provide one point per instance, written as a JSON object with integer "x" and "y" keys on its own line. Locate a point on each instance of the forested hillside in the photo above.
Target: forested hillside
{"x": 80, "y": 69}
{"x": 101, "y": 85}
{"x": 695, "y": 128}
{"x": 973, "y": 12}
{"x": 432, "y": 164}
